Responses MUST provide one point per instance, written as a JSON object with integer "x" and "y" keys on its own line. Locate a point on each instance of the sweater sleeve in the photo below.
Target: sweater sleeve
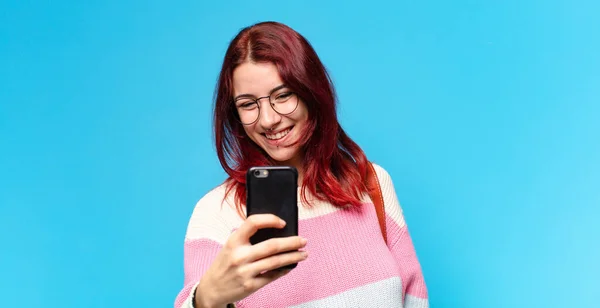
{"x": 211, "y": 223}
{"x": 414, "y": 290}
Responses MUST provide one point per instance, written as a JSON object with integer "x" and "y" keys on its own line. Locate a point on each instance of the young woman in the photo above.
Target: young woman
{"x": 275, "y": 105}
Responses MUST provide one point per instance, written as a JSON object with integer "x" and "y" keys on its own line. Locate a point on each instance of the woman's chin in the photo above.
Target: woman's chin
{"x": 283, "y": 156}
{"x": 282, "y": 159}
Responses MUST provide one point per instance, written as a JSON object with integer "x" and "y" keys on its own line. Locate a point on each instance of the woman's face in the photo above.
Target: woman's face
{"x": 273, "y": 131}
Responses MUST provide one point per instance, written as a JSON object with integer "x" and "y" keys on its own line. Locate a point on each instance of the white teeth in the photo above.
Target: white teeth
{"x": 278, "y": 135}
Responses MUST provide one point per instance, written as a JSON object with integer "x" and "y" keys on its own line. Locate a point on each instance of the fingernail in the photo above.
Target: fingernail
{"x": 304, "y": 254}
{"x": 303, "y": 241}
{"x": 282, "y": 222}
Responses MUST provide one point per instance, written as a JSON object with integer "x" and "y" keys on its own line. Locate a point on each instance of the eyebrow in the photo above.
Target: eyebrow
{"x": 279, "y": 87}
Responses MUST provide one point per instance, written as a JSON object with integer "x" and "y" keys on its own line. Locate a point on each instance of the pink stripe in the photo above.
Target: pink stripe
{"x": 332, "y": 265}
{"x": 198, "y": 255}
{"x": 403, "y": 250}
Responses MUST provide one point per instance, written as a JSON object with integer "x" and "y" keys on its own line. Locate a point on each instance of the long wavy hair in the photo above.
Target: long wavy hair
{"x": 334, "y": 165}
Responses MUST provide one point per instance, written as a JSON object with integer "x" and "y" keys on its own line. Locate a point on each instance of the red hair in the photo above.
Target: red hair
{"x": 334, "y": 165}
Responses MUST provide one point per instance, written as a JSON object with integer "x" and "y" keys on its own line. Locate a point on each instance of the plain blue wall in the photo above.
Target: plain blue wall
{"x": 486, "y": 114}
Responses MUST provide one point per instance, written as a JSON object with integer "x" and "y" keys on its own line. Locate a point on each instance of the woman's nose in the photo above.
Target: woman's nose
{"x": 268, "y": 117}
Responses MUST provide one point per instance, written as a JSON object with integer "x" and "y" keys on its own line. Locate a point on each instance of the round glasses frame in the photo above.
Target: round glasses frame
{"x": 257, "y": 102}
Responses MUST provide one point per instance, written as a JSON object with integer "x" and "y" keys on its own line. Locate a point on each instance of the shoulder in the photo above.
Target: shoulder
{"x": 390, "y": 198}
{"x": 385, "y": 180}
{"x": 214, "y": 216}
{"x": 213, "y": 199}
{"x": 382, "y": 174}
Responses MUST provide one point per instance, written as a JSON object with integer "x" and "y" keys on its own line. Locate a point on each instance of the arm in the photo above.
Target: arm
{"x": 202, "y": 243}
{"x": 221, "y": 265}
{"x": 206, "y": 233}
{"x": 198, "y": 255}
{"x": 414, "y": 290}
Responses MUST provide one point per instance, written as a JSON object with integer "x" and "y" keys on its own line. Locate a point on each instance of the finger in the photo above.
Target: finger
{"x": 275, "y": 246}
{"x": 255, "y": 222}
{"x": 275, "y": 262}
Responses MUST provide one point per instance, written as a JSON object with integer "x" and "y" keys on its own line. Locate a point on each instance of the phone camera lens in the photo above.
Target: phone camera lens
{"x": 256, "y": 172}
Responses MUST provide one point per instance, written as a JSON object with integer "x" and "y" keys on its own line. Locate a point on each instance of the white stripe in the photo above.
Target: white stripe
{"x": 386, "y": 293}
{"x": 392, "y": 205}
{"x": 415, "y": 302}
{"x": 212, "y": 218}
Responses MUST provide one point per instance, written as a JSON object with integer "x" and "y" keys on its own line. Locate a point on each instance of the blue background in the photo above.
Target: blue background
{"x": 486, "y": 114}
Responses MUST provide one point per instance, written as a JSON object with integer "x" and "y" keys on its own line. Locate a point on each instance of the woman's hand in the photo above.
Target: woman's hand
{"x": 241, "y": 268}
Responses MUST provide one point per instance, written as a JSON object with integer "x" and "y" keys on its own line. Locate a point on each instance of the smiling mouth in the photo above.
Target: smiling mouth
{"x": 279, "y": 135}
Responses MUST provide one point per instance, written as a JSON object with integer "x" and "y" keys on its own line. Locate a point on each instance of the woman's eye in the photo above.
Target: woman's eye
{"x": 284, "y": 95}
{"x": 247, "y": 105}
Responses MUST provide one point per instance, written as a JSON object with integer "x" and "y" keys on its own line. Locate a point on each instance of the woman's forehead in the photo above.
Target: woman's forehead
{"x": 256, "y": 79}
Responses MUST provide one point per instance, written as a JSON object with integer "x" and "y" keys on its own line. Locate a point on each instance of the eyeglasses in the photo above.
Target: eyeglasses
{"x": 283, "y": 101}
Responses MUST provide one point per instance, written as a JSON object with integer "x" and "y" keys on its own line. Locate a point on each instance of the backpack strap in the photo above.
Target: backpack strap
{"x": 374, "y": 189}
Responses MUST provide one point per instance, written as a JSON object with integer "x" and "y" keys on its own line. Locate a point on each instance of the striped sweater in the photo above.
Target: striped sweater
{"x": 348, "y": 265}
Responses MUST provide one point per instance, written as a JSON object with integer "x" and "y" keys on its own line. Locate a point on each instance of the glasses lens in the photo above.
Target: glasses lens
{"x": 247, "y": 110}
{"x": 284, "y": 102}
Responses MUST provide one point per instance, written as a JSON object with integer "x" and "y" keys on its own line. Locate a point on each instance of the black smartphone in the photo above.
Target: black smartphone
{"x": 273, "y": 190}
